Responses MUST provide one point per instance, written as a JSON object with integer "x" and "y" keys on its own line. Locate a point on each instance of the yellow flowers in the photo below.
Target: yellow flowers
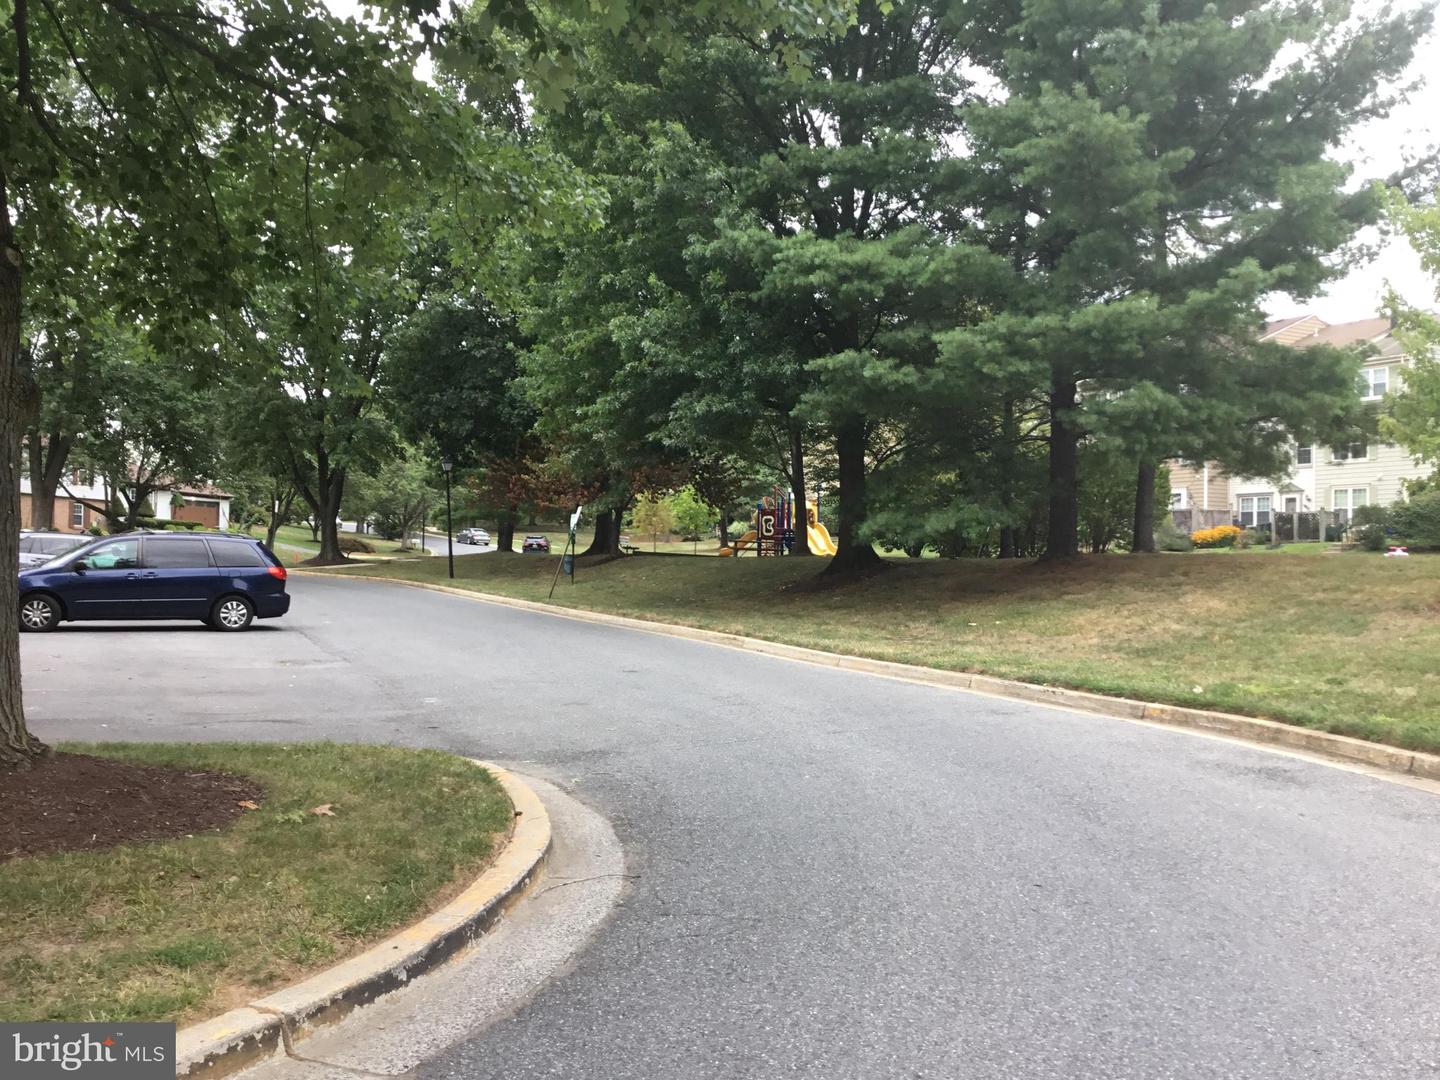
{"x": 1219, "y": 536}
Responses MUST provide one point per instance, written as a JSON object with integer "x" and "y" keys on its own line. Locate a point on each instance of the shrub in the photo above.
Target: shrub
{"x": 1418, "y": 520}
{"x": 352, "y": 546}
{"x": 1371, "y": 537}
{"x": 1169, "y": 537}
{"x": 1219, "y": 536}
{"x": 1251, "y": 537}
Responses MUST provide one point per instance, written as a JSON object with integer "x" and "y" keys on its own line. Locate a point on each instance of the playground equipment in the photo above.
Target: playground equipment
{"x": 774, "y": 531}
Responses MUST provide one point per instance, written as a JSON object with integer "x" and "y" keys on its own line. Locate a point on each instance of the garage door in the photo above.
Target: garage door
{"x": 204, "y": 511}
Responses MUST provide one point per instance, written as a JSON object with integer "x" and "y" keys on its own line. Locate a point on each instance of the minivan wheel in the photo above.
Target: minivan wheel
{"x": 231, "y": 613}
{"x": 38, "y": 614}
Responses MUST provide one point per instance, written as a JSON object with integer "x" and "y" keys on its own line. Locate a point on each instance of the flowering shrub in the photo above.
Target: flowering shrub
{"x": 1219, "y": 536}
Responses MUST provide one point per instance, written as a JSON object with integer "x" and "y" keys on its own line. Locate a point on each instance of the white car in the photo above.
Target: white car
{"x": 473, "y": 536}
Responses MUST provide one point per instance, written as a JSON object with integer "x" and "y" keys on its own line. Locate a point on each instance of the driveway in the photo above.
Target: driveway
{"x": 843, "y": 876}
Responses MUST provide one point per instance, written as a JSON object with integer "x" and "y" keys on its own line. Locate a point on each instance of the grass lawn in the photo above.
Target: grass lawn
{"x": 295, "y": 546}
{"x": 1348, "y": 643}
{"x": 178, "y": 930}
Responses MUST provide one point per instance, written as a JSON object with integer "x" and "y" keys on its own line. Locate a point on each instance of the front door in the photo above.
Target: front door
{"x": 1292, "y": 504}
{"x": 109, "y": 584}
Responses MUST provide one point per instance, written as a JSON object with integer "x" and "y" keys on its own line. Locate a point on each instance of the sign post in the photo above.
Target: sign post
{"x": 567, "y": 557}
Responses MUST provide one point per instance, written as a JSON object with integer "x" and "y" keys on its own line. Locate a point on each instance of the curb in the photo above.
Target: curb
{"x": 241, "y": 1037}
{"x": 1343, "y": 748}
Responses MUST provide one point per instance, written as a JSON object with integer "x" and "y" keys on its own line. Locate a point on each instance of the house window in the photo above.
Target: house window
{"x": 1353, "y": 452}
{"x": 1254, "y": 510}
{"x": 1179, "y": 499}
{"x": 1304, "y": 455}
{"x": 77, "y": 514}
{"x": 1345, "y": 501}
{"x": 1374, "y": 382}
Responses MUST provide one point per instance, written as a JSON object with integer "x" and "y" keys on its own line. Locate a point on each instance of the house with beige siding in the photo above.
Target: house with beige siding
{"x": 1334, "y": 479}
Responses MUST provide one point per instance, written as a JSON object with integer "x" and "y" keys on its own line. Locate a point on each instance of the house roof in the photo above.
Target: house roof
{"x": 200, "y": 491}
{"x": 1303, "y": 331}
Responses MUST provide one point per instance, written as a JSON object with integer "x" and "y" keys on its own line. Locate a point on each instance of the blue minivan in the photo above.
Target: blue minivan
{"x": 225, "y": 579}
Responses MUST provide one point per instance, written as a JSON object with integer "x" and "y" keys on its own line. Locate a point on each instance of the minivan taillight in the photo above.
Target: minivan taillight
{"x": 277, "y": 572}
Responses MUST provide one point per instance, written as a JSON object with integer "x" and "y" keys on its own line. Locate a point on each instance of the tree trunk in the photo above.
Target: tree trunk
{"x": 1009, "y": 439}
{"x": 48, "y": 455}
{"x": 18, "y": 401}
{"x": 606, "y": 540}
{"x": 505, "y": 533}
{"x": 724, "y": 528}
{"x": 1063, "y": 541}
{"x": 279, "y": 511}
{"x": 852, "y": 555}
{"x": 1142, "y": 537}
{"x": 332, "y": 488}
{"x": 797, "y": 486}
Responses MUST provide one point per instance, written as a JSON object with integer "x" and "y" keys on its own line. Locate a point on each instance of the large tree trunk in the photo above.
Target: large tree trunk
{"x": 1142, "y": 536}
{"x": 18, "y": 402}
{"x": 606, "y": 540}
{"x": 1063, "y": 541}
{"x": 48, "y": 456}
{"x": 852, "y": 555}
{"x": 797, "y": 486}
{"x": 332, "y": 488}
{"x": 505, "y": 532}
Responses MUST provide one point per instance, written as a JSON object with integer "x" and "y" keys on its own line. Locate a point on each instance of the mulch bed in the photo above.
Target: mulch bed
{"x": 75, "y": 802}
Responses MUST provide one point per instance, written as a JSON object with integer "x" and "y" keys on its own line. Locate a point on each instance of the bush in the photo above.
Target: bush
{"x": 1371, "y": 537}
{"x": 353, "y": 546}
{"x": 1169, "y": 537}
{"x": 1371, "y": 515}
{"x": 1217, "y": 537}
{"x": 1251, "y": 537}
{"x": 1418, "y": 520}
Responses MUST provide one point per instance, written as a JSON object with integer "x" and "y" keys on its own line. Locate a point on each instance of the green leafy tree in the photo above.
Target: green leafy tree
{"x": 451, "y": 379}
{"x": 652, "y": 514}
{"x": 396, "y": 496}
{"x": 1153, "y": 172}
{"x": 150, "y": 114}
{"x": 1412, "y": 416}
{"x": 155, "y": 425}
{"x": 692, "y": 517}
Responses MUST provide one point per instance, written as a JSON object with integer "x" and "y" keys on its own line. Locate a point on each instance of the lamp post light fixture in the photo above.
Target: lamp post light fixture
{"x": 445, "y": 466}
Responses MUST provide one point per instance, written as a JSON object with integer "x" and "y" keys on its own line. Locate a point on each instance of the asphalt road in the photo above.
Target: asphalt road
{"x": 842, "y": 876}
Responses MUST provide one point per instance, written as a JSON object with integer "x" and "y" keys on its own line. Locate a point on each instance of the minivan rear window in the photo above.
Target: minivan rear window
{"x": 235, "y": 553}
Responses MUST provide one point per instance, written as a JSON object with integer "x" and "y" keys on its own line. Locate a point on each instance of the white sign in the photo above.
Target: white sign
{"x": 575, "y": 518}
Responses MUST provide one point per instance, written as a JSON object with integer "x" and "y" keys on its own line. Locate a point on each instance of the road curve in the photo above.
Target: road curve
{"x": 841, "y": 876}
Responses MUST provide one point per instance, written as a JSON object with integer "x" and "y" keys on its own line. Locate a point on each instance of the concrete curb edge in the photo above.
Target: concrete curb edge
{"x": 241, "y": 1037}
{"x": 1414, "y": 763}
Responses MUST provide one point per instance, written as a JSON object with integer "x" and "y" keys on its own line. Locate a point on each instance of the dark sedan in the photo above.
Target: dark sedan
{"x": 536, "y": 543}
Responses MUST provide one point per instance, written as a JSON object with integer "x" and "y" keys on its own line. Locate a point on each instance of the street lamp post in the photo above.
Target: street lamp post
{"x": 445, "y": 466}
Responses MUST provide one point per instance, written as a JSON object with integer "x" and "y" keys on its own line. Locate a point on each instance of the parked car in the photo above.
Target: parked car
{"x": 38, "y": 548}
{"x": 224, "y": 579}
{"x": 476, "y": 535}
{"x": 537, "y": 543}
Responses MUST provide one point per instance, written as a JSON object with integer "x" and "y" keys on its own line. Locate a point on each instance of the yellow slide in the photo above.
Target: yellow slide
{"x": 737, "y": 546}
{"x": 820, "y": 542}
